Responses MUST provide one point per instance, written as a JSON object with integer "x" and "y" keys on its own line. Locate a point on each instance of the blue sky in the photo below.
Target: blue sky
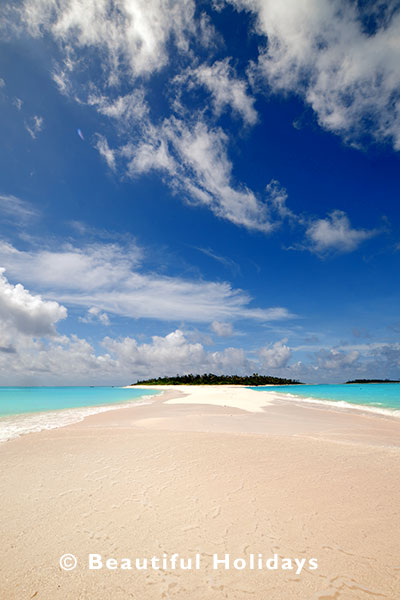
{"x": 190, "y": 187}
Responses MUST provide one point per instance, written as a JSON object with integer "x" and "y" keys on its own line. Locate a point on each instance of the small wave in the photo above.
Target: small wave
{"x": 16, "y": 425}
{"x": 341, "y": 404}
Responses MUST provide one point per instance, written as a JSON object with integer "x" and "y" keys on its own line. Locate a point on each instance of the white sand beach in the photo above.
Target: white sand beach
{"x": 205, "y": 471}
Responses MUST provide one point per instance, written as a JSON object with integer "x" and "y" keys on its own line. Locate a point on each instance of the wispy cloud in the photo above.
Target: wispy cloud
{"x": 95, "y": 315}
{"x": 223, "y": 260}
{"x": 109, "y": 278}
{"x": 34, "y": 126}
{"x": 195, "y": 158}
{"x": 321, "y": 52}
{"x": 15, "y": 209}
{"x": 106, "y": 152}
{"x": 226, "y": 89}
{"x": 190, "y": 153}
{"x": 126, "y": 110}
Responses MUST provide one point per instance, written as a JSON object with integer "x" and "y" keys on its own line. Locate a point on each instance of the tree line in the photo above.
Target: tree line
{"x": 373, "y": 381}
{"x": 211, "y": 379}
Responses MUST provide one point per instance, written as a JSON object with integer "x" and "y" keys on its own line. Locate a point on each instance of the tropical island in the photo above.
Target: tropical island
{"x": 373, "y": 381}
{"x": 211, "y": 379}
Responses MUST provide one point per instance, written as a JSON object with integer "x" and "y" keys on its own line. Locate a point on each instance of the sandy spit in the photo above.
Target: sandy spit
{"x": 212, "y": 472}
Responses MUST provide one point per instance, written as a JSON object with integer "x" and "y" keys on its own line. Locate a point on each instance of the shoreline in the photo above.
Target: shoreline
{"x": 294, "y": 481}
{"x": 202, "y": 395}
{"x": 215, "y": 410}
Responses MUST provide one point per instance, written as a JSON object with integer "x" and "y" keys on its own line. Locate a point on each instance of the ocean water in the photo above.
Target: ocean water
{"x": 383, "y": 398}
{"x": 30, "y": 409}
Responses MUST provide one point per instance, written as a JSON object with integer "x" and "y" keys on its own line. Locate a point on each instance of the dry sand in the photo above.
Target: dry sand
{"x": 210, "y": 473}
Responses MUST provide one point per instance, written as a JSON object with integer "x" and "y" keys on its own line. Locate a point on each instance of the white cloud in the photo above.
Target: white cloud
{"x": 222, "y": 329}
{"x": 192, "y": 155}
{"x": 207, "y": 175}
{"x": 335, "y": 233}
{"x": 61, "y": 79}
{"x": 149, "y": 155}
{"x": 334, "y": 359}
{"x": 127, "y": 109}
{"x": 225, "y": 88}
{"x": 94, "y": 315}
{"x": 27, "y": 313}
{"x": 69, "y": 360}
{"x": 16, "y": 209}
{"x": 275, "y": 356}
{"x": 174, "y": 354}
{"x": 195, "y": 158}
{"x": 40, "y": 355}
{"x": 131, "y": 36}
{"x": 321, "y": 50}
{"x": 223, "y": 260}
{"x": 34, "y": 126}
{"x": 105, "y": 151}
{"x": 166, "y": 354}
{"x": 110, "y": 278}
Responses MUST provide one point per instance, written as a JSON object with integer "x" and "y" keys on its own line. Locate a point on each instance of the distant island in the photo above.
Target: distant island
{"x": 211, "y": 379}
{"x": 373, "y": 381}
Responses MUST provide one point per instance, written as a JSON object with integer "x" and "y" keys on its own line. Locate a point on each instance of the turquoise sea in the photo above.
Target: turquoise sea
{"x": 376, "y": 397}
{"x": 29, "y": 409}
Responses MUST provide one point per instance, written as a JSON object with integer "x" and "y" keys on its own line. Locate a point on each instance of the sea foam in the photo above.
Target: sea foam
{"x": 14, "y": 426}
{"x": 340, "y": 404}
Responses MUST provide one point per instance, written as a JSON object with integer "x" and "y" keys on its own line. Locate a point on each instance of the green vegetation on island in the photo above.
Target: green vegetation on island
{"x": 373, "y": 381}
{"x": 211, "y": 379}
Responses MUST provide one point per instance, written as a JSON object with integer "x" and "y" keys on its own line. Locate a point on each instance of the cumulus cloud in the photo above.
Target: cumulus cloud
{"x": 386, "y": 359}
{"x": 164, "y": 353}
{"x": 175, "y": 354}
{"x": 336, "y": 359}
{"x": 109, "y": 278}
{"x": 40, "y": 355}
{"x": 341, "y": 57}
{"x": 335, "y": 233}
{"x": 275, "y": 356}
{"x": 72, "y": 359}
{"x": 27, "y": 313}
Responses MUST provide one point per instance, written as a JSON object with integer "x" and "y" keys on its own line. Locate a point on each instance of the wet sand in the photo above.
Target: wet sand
{"x": 221, "y": 475}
